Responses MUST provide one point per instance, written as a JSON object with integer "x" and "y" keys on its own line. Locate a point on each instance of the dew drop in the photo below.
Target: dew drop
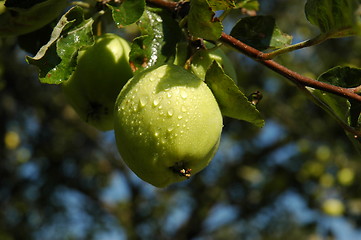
{"x": 143, "y": 101}
{"x": 156, "y": 134}
{"x": 170, "y": 129}
{"x": 184, "y": 109}
{"x": 170, "y": 112}
{"x": 156, "y": 102}
{"x": 184, "y": 94}
{"x": 169, "y": 95}
{"x": 180, "y": 117}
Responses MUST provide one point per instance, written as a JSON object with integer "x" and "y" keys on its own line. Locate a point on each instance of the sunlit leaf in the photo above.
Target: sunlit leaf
{"x": 201, "y": 21}
{"x": 221, "y": 4}
{"x": 232, "y": 102}
{"x": 250, "y": 5}
{"x": 157, "y": 43}
{"x": 260, "y": 32}
{"x": 56, "y": 60}
{"x": 127, "y": 12}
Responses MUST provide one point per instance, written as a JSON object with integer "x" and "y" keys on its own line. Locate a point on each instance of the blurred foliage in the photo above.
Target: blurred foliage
{"x": 296, "y": 178}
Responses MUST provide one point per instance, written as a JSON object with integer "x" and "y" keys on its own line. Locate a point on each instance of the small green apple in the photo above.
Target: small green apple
{"x": 101, "y": 72}
{"x": 16, "y": 21}
{"x": 167, "y": 124}
{"x": 203, "y": 59}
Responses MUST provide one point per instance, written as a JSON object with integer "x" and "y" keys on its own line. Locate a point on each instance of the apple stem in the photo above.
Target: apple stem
{"x": 179, "y": 168}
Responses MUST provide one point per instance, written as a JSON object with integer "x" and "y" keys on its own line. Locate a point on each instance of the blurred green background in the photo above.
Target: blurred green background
{"x": 296, "y": 178}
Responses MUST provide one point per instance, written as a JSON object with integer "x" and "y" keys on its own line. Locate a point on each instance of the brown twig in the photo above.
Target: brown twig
{"x": 296, "y": 78}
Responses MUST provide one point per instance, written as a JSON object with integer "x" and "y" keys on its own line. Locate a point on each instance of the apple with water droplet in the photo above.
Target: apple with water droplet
{"x": 167, "y": 124}
{"x": 102, "y": 70}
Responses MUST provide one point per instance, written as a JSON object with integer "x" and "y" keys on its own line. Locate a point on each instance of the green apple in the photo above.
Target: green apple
{"x": 167, "y": 124}
{"x": 15, "y": 20}
{"x": 203, "y": 58}
{"x": 101, "y": 72}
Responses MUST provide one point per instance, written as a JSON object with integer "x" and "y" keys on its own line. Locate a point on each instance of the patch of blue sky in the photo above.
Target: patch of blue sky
{"x": 29, "y": 170}
{"x": 270, "y": 133}
{"x": 339, "y": 226}
{"x": 117, "y": 191}
{"x": 220, "y": 215}
{"x": 178, "y": 213}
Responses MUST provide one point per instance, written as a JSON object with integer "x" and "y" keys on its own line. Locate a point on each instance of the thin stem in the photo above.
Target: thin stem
{"x": 296, "y": 78}
{"x": 308, "y": 43}
{"x": 171, "y": 6}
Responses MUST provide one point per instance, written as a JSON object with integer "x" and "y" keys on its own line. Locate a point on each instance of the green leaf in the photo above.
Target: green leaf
{"x": 342, "y": 76}
{"x": 232, "y": 102}
{"x": 217, "y": 5}
{"x": 128, "y": 12}
{"x": 21, "y": 17}
{"x": 201, "y": 21}
{"x": 337, "y": 18}
{"x": 261, "y": 33}
{"x": 346, "y": 112}
{"x": 57, "y": 59}
{"x": 347, "y": 77}
{"x": 157, "y": 44}
{"x": 338, "y": 107}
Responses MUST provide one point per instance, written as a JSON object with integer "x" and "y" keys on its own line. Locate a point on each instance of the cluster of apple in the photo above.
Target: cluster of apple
{"x": 166, "y": 120}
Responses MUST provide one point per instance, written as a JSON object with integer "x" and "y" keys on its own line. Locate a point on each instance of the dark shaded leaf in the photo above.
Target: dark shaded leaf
{"x": 335, "y": 17}
{"x": 347, "y": 77}
{"x": 261, "y": 33}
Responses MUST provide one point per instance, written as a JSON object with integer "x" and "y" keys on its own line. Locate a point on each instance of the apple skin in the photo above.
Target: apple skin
{"x": 167, "y": 124}
{"x": 203, "y": 59}
{"x": 18, "y": 21}
{"x": 102, "y": 70}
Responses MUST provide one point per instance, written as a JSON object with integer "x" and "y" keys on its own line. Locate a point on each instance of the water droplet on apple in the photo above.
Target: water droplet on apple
{"x": 143, "y": 101}
{"x": 170, "y": 112}
{"x": 184, "y": 94}
{"x": 156, "y": 101}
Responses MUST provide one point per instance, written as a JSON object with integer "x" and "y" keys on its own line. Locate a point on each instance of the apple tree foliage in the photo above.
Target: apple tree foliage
{"x": 279, "y": 140}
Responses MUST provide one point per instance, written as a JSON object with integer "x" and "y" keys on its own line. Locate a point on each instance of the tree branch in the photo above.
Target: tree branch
{"x": 296, "y": 78}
